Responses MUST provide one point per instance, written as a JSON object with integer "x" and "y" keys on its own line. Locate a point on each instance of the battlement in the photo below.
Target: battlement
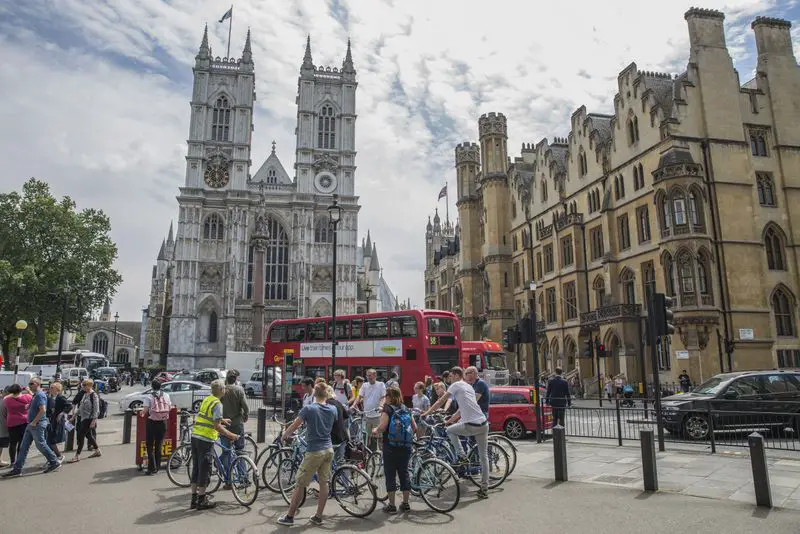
{"x": 492, "y": 124}
{"x": 560, "y": 141}
{"x": 773, "y": 36}
{"x": 225, "y": 63}
{"x": 652, "y": 74}
{"x": 468, "y": 153}
{"x": 528, "y": 147}
{"x": 701, "y": 13}
{"x": 770, "y": 21}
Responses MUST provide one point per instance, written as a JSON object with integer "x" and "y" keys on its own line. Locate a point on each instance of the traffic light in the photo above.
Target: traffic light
{"x": 509, "y": 335}
{"x": 662, "y": 315}
{"x": 587, "y": 349}
{"x": 600, "y": 348}
{"x": 525, "y": 330}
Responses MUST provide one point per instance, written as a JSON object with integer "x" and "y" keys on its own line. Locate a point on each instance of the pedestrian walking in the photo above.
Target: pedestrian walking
{"x": 398, "y": 429}
{"x": 685, "y": 381}
{"x": 319, "y": 418}
{"x": 4, "y": 441}
{"x": 58, "y": 407}
{"x": 35, "y": 432}
{"x": 207, "y": 428}
{"x": 86, "y": 415}
{"x": 557, "y": 396}
{"x": 16, "y": 405}
{"x": 155, "y": 408}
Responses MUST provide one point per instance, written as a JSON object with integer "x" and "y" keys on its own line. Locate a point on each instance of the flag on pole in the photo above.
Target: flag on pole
{"x": 228, "y": 14}
{"x": 442, "y": 193}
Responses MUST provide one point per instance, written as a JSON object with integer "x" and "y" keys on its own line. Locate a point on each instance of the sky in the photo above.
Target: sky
{"x": 96, "y": 95}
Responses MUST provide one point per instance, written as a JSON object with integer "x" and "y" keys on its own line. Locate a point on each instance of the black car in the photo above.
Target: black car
{"x": 736, "y": 401}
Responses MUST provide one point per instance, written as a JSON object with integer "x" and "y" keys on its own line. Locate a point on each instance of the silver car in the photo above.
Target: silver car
{"x": 183, "y": 394}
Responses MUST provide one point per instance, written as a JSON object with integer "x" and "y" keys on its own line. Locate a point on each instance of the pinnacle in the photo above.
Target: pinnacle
{"x": 204, "y": 49}
{"x": 347, "y": 66}
{"x": 247, "y": 53}
{"x": 308, "y": 62}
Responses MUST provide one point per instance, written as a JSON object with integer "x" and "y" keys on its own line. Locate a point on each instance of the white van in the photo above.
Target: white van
{"x": 23, "y": 377}
{"x": 74, "y": 376}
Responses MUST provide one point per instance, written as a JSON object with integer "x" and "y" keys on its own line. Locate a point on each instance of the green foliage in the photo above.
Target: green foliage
{"x": 49, "y": 251}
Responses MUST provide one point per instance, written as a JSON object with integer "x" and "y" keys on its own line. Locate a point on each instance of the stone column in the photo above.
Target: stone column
{"x": 259, "y": 244}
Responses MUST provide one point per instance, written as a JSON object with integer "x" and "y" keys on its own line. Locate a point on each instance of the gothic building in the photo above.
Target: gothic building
{"x": 689, "y": 188}
{"x": 252, "y": 247}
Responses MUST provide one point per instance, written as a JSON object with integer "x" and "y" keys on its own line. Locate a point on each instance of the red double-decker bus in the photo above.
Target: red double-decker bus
{"x": 412, "y": 343}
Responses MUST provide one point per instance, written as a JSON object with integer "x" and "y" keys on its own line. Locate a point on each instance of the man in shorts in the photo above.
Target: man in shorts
{"x": 319, "y": 418}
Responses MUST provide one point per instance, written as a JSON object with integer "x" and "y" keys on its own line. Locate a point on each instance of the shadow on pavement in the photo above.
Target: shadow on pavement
{"x": 116, "y": 476}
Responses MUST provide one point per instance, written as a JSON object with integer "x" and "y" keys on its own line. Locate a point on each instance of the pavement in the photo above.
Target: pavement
{"x": 108, "y": 494}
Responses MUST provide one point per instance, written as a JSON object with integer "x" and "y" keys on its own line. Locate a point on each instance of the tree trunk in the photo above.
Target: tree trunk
{"x": 41, "y": 335}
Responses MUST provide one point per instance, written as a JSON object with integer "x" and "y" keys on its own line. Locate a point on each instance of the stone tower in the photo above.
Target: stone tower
{"x": 496, "y": 249}
{"x": 467, "y": 160}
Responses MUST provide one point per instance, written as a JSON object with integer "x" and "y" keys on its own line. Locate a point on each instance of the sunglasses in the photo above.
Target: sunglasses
{"x": 33, "y": 383}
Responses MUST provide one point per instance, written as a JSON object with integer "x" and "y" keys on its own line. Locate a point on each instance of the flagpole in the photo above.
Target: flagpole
{"x": 447, "y": 201}
{"x": 230, "y": 26}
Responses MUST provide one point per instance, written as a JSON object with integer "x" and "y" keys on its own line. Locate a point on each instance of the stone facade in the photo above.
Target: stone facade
{"x": 249, "y": 249}
{"x": 689, "y": 188}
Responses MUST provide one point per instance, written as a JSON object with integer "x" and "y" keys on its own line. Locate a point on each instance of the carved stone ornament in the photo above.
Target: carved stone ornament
{"x": 492, "y": 123}
{"x": 322, "y": 280}
{"x": 262, "y": 227}
{"x": 211, "y": 278}
{"x": 468, "y": 153}
{"x": 325, "y": 162}
{"x": 239, "y": 168}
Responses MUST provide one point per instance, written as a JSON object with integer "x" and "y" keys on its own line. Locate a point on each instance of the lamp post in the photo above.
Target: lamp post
{"x": 368, "y": 293}
{"x": 114, "y": 350}
{"x": 61, "y": 334}
{"x": 532, "y": 312}
{"x": 21, "y": 326}
{"x": 335, "y": 215}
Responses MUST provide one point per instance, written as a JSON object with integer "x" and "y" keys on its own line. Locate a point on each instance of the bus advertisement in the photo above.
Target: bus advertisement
{"x": 412, "y": 343}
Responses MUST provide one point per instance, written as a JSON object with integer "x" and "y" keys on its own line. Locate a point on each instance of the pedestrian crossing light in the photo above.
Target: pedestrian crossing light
{"x": 601, "y": 349}
{"x": 663, "y": 315}
{"x": 587, "y": 349}
{"x": 508, "y": 339}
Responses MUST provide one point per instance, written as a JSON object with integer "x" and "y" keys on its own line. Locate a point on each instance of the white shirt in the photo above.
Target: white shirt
{"x": 467, "y": 403}
{"x": 308, "y": 399}
{"x": 340, "y": 393}
{"x": 372, "y": 395}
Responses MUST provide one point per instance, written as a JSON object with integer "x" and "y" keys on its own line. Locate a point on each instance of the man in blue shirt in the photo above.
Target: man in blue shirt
{"x": 35, "y": 432}
{"x": 481, "y": 389}
{"x": 319, "y": 418}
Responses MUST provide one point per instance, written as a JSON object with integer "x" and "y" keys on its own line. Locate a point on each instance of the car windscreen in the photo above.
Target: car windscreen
{"x": 712, "y": 386}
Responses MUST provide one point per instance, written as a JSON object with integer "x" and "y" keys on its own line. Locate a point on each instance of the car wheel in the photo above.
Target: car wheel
{"x": 250, "y": 393}
{"x": 135, "y": 405}
{"x": 696, "y": 427}
{"x": 514, "y": 429}
{"x": 196, "y": 405}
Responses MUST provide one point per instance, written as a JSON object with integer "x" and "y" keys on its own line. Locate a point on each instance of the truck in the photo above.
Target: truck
{"x": 246, "y": 363}
{"x": 488, "y": 357}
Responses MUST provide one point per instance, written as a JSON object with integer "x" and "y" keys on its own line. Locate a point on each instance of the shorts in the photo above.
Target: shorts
{"x": 318, "y": 462}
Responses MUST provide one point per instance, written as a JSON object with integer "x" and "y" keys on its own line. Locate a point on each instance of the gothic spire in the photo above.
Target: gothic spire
{"x": 308, "y": 62}
{"x": 170, "y": 237}
{"x": 162, "y": 253}
{"x": 106, "y": 314}
{"x": 204, "y": 50}
{"x": 374, "y": 265}
{"x": 347, "y": 65}
{"x": 247, "y": 53}
{"x": 368, "y": 248}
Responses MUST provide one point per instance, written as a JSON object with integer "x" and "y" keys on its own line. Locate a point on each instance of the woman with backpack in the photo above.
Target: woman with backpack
{"x": 156, "y": 408}
{"x": 398, "y": 428}
{"x": 57, "y": 409}
{"x": 87, "y": 412}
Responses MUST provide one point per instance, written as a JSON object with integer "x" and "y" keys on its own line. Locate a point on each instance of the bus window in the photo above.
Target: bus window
{"x": 315, "y": 371}
{"x": 342, "y": 330}
{"x": 316, "y": 331}
{"x": 404, "y": 326}
{"x": 411, "y": 354}
{"x": 277, "y": 334}
{"x": 376, "y": 328}
{"x": 296, "y": 332}
{"x": 441, "y": 325}
{"x": 355, "y": 329}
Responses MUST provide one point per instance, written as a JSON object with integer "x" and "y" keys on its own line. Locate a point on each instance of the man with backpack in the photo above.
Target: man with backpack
{"x": 235, "y": 409}
{"x": 341, "y": 389}
{"x": 156, "y": 409}
{"x": 398, "y": 429}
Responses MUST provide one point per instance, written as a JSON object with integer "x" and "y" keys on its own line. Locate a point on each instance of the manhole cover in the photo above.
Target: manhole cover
{"x": 614, "y": 479}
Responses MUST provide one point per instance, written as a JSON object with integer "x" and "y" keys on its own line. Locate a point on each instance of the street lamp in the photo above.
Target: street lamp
{"x": 114, "y": 350}
{"x": 21, "y": 325}
{"x": 368, "y": 293}
{"x": 335, "y": 215}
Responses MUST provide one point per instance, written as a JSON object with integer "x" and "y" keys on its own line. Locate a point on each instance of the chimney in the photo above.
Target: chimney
{"x": 773, "y": 36}
{"x": 705, "y": 28}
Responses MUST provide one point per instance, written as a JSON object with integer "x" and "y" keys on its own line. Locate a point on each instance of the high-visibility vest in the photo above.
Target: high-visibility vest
{"x": 204, "y": 423}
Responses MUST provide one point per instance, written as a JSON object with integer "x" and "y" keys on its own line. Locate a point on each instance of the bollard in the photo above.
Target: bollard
{"x": 126, "y": 427}
{"x": 261, "y": 431}
{"x": 758, "y": 460}
{"x": 649, "y": 469}
{"x": 560, "y": 453}
{"x": 70, "y": 444}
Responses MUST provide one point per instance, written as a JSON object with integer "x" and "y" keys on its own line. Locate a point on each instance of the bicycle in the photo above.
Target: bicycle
{"x": 272, "y": 456}
{"x": 429, "y": 477}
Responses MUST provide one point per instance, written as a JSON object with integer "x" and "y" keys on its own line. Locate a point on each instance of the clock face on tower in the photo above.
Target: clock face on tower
{"x": 325, "y": 182}
{"x": 217, "y": 174}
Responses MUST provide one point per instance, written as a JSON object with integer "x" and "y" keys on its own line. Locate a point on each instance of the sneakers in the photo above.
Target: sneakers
{"x": 404, "y": 507}
{"x": 316, "y": 520}
{"x": 192, "y": 506}
{"x": 13, "y": 473}
{"x": 390, "y": 509}
{"x": 204, "y": 503}
{"x": 286, "y": 520}
{"x": 483, "y": 494}
{"x": 52, "y": 467}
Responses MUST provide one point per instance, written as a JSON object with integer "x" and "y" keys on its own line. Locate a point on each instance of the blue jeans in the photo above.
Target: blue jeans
{"x": 237, "y": 445}
{"x": 36, "y": 434}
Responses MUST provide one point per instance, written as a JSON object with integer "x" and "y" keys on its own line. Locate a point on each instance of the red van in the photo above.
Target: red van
{"x": 512, "y": 410}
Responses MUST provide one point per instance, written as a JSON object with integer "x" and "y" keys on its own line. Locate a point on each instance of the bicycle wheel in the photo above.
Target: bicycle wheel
{"x": 437, "y": 483}
{"x": 250, "y": 447}
{"x": 354, "y": 491}
{"x": 179, "y": 466}
{"x": 287, "y": 479}
{"x": 269, "y": 469}
{"x": 244, "y": 480}
{"x": 413, "y": 467}
{"x": 507, "y": 446}
{"x": 373, "y": 466}
{"x": 216, "y": 477}
{"x": 498, "y": 465}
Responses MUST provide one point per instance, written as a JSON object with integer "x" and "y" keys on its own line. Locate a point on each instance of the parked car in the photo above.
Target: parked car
{"x": 183, "y": 394}
{"x": 736, "y": 401}
{"x": 255, "y": 386}
{"x": 512, "y": 410}
{"x": 206, "y": 376}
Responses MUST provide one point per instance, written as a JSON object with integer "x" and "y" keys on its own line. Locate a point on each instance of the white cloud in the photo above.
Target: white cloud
{"x": 96, "y": 95}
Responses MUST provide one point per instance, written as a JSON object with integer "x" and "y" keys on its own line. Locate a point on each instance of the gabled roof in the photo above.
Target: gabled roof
{"x": 272, "y": 163}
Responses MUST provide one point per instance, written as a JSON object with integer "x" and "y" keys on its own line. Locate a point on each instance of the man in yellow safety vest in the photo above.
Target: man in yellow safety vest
{"x": 207, "y": 428}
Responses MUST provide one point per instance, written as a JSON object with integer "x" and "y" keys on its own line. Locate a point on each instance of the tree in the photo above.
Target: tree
{"x": 50, "y": 252}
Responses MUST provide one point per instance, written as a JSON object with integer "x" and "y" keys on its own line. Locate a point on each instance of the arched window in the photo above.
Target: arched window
{"x": 221, "y": 120}
{"x": 679, "y": 208}
{"x": 758, "y": 143}
{"x": 326, "y": 128}
{"x": 665, "y": 215}
{"x": 766, "y": 193}
{"x": 635, "y": 178}
{"x": 599, "y": 287}
{"x": 213, "y": 327}
{"x": 694, "y": 216}
{"x": 323, "y": 233}
{"x": 686, "y": 274}
{"x": 782, "y": 307}
{"x": 122, "y": 356}
{"x": 669, "y": 276}
{"x": 272, "y": 176}
{"x": 100, "y": 343}
{"x": 636, "y": 129}
{"x": 276, "y": 264}
{"x": 641, "y": 176}
{"x": 773, "y": 242}
{"x": 648, "y": 281}
{"x": 213, "y": 228}
{"x": 544, "y": 190}
{"x": 627, "y": 284}
{"x": 621, "y": 186}
{"x": 631, "y": 134}
{"x": 703, "y": 280}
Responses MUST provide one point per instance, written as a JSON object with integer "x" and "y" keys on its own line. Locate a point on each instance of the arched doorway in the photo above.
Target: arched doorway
{"x": 555, "y": 357}
{"x": 569, "y": 354}
{"x": 612, "y": 362}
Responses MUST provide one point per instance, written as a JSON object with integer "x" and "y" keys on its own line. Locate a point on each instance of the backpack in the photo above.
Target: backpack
{"x": 400, "y": 432}
{"x": 101, "y": 414}
{"x": 159, "y": 408}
